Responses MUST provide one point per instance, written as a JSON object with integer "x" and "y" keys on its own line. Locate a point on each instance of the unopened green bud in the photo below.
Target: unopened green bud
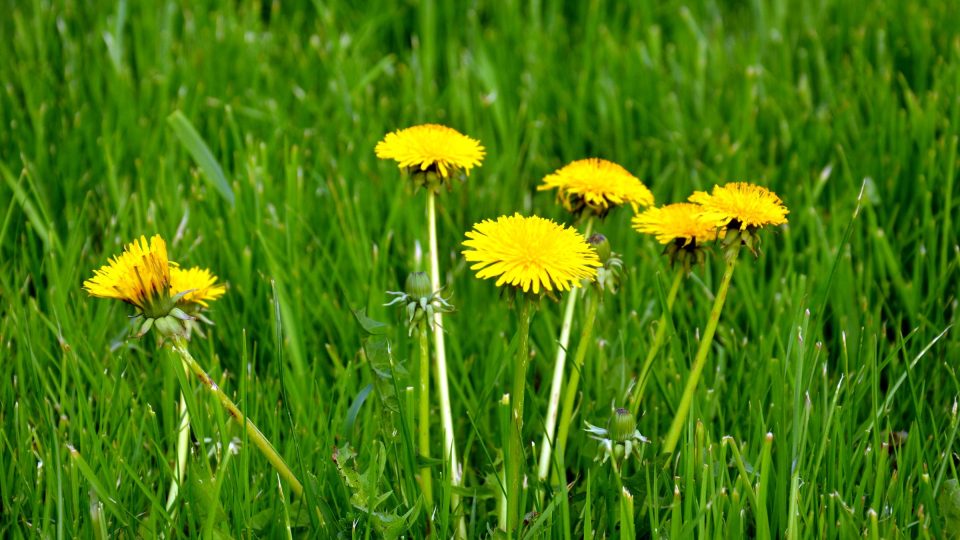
{"x": 601, "y": 244}
{"x": 622, "y": 426}
{"x": 168, "y": 326}
{"x": 418, "y": 285}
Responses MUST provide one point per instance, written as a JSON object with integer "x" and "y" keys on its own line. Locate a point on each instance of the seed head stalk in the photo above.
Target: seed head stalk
{"x": 254, "y": 434}
{"x": 556, "y": 387}
{"x": 686, "y": 400}
{"x": 657, "y": 343}
{"x": 446, "y": 414}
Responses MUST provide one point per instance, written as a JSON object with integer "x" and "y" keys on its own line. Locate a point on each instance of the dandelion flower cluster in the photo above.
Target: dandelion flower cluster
{"x": 431, "y": 148}
{"x": 598, "y": 185}
{"x": 164, "y": 294}
{"x": 530, "y": 253}
{"x": 680, "y": 222}
{"x": 740, "y": 205}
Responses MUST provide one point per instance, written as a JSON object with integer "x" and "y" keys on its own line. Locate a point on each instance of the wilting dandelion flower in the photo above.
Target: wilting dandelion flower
{"x": 431, "y": 153}
{"x": 530, "y": 253}
{"x": 598, "y": 185}
{"x": 740, "y": 205}
{"x": 163, "y": 294}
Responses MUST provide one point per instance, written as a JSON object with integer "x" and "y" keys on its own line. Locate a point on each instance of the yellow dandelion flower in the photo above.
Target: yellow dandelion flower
{"x": 679, "y": 222}
{"x": 530, "y": 253}
{"x": 740, "y": 205}
{"x": 596, "y": 184}
{"x": 200, "y": 282}
{"x": 431, "y": 148}
{"x": 139, "y": 276}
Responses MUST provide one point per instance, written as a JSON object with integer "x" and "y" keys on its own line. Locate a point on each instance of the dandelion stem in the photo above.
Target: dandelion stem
{"x": 673, "y": 436}
{"x": 440, "y": 351}
{"x": 570, "y": 396}
{"x": 516, "y": 461}
{"x": 253, "y": 433}
{"x": 183, "y": 444}
{"x": 556, "y": 387}
{"x": 657, "y": 343}
{"x": 426, "y": 480}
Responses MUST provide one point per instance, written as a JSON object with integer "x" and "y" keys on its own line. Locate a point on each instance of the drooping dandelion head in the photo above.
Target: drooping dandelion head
{"x": 431, "y": 153}
{"x": 164, "y": 295}
{"x": 530, "y": 253}
{"x": 596, "y": 185}
{"x": 740, "y": 205}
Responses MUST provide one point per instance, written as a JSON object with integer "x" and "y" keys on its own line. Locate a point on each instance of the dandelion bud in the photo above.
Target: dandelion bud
{"x": 622, "y": 425}
{"x": 418, "y": 301}
{"x": 600, "y": 243}
{"x": 418, "y": 285}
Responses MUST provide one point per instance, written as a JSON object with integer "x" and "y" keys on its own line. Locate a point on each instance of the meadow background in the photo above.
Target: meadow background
{"x": 837, "y": 340}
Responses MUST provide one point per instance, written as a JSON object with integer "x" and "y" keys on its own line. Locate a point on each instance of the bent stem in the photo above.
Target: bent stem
{"x": 556, "y": 387}
{"x": 446, "y": 414}
{"x": 426, "y": 479}
{"x": 700, "y": 360}
{"x": 183, "y": 444}
{"x": 254, "y": 434}
{"x": 570, "y": 396}
{"x": 515, "y": 463}
{"x": 657, "y": 343}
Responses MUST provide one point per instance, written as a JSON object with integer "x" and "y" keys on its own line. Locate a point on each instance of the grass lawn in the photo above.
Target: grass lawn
{"x": 244, "y": 132}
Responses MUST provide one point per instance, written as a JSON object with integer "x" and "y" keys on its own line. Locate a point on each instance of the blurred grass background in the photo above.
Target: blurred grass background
{"x": 837, "y": 340}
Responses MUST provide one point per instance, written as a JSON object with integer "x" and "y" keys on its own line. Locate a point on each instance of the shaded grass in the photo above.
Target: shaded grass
{"x": 836, "y": 337}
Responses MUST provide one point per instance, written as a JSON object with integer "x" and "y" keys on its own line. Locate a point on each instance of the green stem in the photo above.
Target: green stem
{"x": 424, "y": 405}
{"x": 515, "y": 468}
{"x": 673, "y": 436}
{"x": 440, "y": 351}
{"x": 179, "y": 345}
{"x": 183, "y": 445}
{"x": 556, "y": 387}
{"x": 657, "y": 343}
{"x": 570, "y": 396}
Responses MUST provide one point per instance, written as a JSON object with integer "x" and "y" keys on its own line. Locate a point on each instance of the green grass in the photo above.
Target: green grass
{"x": 838, "y": 337}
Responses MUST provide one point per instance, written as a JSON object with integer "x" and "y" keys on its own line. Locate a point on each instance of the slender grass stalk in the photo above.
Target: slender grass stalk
{"x": 556, "y": 386}
{"x": 686, "y": 400}
{"x": 657, "y": 343}
{"x": 515, "y": 459}
{"x": 183, "y": 444}
{"x": 440, "y": 351}
{"x": 426, "y": 480}
{"x": 570, "y": 396}
{"x": 180, "y": 346}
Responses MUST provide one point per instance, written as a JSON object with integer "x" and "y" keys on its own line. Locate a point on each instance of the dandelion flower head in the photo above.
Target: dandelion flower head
{"x": 679, "y": 222}
{"x": 199, "y": 283}
{"x": 530, "y": 253}
{"x": 139, "y": 276}
{"x": 740, "y": 205}
{"x": 597, "y": 184}
{"x": 431, "y": 147}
